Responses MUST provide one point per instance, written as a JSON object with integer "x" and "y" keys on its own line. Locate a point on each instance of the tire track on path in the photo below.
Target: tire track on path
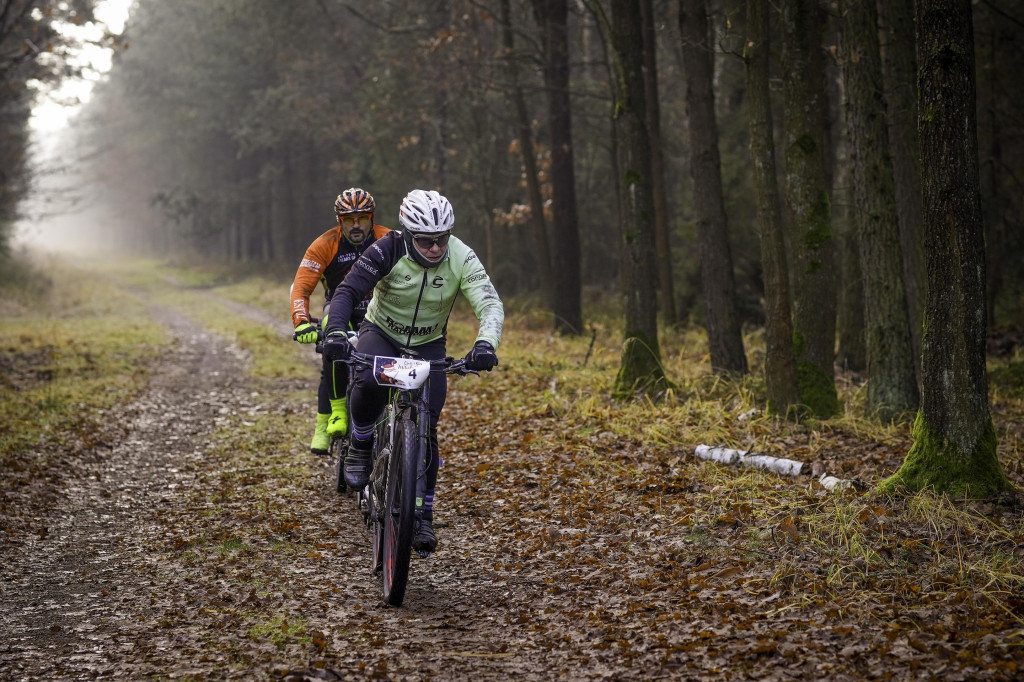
{"x": 65, "y": 595}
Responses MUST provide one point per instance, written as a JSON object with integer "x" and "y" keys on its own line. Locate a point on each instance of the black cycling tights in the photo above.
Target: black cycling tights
{"x": 368, "y": 398}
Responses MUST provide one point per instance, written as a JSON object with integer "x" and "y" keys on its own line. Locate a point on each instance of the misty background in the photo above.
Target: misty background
{"x": 224, "y": 129}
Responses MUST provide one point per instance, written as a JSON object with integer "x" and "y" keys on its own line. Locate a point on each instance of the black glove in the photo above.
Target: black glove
{"x": 337, "y": 346}
{"x": 482, "y": 358}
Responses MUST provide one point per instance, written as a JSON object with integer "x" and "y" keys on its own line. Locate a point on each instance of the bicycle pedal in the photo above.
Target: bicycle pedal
{"x": 423, "y": 553}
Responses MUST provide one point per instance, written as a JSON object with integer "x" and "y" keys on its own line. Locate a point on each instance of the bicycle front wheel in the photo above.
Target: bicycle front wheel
{"x": 399, "y": 511}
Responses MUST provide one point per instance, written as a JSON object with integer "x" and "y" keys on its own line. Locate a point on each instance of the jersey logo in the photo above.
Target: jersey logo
{"x": 437, "y": 282}
{"x": 404, "y": 329}
{"x": 366, "y": 266}
{"x": 311, "y": 264}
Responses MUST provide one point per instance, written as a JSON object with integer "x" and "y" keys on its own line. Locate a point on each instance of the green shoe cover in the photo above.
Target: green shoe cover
{"x": 337, "y": 425}
{"x": 321, "y": 441}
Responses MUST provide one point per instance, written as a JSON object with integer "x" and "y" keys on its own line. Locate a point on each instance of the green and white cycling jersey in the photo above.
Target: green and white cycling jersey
{"x": 411, "y": 303}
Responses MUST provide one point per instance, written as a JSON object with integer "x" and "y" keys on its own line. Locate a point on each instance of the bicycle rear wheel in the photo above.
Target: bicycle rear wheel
{"x": 399, "y": 511}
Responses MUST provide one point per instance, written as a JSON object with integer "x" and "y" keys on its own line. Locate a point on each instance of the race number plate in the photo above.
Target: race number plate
{"x": 406, "y": 373}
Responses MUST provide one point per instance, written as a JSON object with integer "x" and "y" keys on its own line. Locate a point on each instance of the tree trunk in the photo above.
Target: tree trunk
{"x": 999, "y": 158}
{"x": 724, "y": 334}
{"x": 954, "y": 449}
{"x": 852, "y": 354}
{"x": 667, "y": 300}
{"x": 641, "y": 370}
{"x": 537, "y": 223}
{"x": 892, "y": 387}
{"x": 900, "y": 71}
{"x": 780, "y": 368}
{"x": 553, "y": 17}
{"x": 811, "y": 241}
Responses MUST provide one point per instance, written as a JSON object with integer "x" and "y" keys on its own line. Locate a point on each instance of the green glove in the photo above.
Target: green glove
{"x": 306, "y": 333}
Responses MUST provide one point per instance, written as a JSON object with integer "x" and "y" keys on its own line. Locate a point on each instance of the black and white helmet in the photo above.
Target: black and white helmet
{"x": 424, "y": 212}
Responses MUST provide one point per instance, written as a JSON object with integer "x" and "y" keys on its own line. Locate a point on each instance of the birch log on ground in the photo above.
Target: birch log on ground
{"x": 778, "y": 465}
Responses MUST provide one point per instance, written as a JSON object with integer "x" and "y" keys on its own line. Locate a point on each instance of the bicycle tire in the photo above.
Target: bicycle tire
{"x": 400, "y": 509}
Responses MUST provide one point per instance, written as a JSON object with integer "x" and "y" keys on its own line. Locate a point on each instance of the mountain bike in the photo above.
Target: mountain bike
{"x": 394, "y": 494}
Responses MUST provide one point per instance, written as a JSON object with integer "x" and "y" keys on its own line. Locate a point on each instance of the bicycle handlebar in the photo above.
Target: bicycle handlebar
{"x": 449, "y": 364}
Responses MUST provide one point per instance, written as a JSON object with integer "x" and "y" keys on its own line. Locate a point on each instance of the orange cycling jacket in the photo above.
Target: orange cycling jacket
{"x": 327, "y": 261}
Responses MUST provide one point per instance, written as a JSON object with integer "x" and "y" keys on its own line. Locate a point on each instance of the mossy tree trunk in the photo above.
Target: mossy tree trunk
{"x": 954, "y": 447}
{"x": 780, "y": 367}
{"x": 892, "y": 384}
{"x": 641, "y": 370}
{"x": 811, "y": 243}
{"x": 717, "y": 280}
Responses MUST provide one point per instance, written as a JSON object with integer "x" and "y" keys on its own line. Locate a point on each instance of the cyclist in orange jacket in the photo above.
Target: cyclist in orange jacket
{"x": 327, "y": 261}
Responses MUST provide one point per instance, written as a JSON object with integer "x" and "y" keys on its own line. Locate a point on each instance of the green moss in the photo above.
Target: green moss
{"x": 819, "y": 216}
{"x": 641, "y": 370}
{"x": 632, "y": 177}
{"x": 806, "y": 144}
{"x": 798, "y": 344}
{"x": 935, "y": 463}
{"x": 817, "y": 390}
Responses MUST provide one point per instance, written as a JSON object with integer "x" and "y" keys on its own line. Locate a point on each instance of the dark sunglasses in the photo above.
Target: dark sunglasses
{"x": 426, "y": 243}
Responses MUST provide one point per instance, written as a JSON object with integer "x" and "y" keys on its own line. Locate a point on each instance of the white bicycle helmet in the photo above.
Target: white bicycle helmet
{"x": 424, "y": 212}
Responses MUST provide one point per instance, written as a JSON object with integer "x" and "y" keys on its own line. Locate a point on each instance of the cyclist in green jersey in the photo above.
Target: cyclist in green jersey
{"x": 415, "y": 276}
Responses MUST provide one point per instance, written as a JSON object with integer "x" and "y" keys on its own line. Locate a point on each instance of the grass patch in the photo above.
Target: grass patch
{"x": 282, "y": 630}
{"x": 73, "y": 366}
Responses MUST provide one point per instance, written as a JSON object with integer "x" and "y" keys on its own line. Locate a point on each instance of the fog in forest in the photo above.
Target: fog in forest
{"x": 224, "y": 130}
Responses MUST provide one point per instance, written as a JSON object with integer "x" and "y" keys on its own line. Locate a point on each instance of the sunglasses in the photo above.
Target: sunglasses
{"x": 426, "y": 243}
{"x": 350, "y": 221}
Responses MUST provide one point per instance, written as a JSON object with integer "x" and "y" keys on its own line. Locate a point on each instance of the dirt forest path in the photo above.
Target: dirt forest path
{"x": 70, "y": 602}
{"x": 102, "y": 590}
{"x": 197, "y": 538}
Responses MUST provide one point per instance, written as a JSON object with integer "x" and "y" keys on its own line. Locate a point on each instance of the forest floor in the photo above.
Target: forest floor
{"x": 161, "y": 516}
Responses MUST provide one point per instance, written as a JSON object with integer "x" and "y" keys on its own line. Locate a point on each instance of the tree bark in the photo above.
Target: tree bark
{"x": 724, "y": 335}
{"x": 811, "y": 240}
{"x": 565, "y": 253}
{"x": 852, "y": 354}
{"x": 641, "y": 370}
{"x": 666, "y": 288}
{"x": 900, "y": 73}
{"x": 892, "y": 386}
{"x": 954, "y": 449}
{"x": 537, "y": 223}
{"x": 780, "y": 367}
